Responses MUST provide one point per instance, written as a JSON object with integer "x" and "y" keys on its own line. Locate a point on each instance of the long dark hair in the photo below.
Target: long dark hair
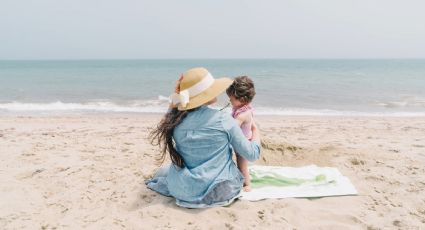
{"x": 162, "y": 135}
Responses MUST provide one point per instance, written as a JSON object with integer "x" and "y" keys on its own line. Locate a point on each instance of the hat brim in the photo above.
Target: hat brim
{"x": 218, "y": 87}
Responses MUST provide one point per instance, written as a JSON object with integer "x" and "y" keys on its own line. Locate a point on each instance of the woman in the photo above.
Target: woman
{"x": 199, "y": 141}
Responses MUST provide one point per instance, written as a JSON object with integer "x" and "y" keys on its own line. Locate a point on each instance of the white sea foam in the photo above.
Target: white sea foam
{"x": 136, "y": 107}
{"x": 329, "y": 112}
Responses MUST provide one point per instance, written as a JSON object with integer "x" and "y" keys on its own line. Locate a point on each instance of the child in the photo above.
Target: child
{"x": 241, "y": 93}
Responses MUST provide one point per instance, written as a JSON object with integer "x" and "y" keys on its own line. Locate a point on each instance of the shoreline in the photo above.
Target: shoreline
{"x": 157, "y": 114}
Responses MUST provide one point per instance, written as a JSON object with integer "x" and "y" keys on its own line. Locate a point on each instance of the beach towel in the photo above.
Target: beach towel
{"x": 308, "y": 181}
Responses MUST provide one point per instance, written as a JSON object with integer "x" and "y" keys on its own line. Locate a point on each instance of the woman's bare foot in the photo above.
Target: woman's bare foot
{"x": 247, "y": 188}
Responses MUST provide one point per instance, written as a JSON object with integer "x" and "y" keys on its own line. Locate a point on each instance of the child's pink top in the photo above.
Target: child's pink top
{"x": 246, "y": 125}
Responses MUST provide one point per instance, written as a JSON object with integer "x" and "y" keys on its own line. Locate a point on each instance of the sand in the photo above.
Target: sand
{"x": 88, "y": 171}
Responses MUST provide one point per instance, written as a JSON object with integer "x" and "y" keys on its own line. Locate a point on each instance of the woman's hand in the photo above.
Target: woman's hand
{"x": 176, "y": 90}
{"x": 177, "y": 87}
{"x": 255, "y": 133}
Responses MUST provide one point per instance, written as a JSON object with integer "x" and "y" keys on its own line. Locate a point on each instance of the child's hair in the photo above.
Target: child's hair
{"x": 242, "y": 89}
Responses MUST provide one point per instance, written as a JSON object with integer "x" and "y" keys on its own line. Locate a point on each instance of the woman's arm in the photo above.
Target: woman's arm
{"x": 249, "y": 150}
{"x": 242, "y": 117}
{"x": 255, "y": 133}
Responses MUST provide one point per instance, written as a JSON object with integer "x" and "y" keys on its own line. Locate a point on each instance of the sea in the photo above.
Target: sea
{"x": 325, "y": 87}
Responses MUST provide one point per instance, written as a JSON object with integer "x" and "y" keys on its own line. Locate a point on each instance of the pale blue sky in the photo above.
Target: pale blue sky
{"x": 106, "y": 29}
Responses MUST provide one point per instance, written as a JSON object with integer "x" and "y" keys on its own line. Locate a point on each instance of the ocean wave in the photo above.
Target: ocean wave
{"x": 58, "y": 106}
{"x": 161, "y": 106}
{"x": 406, "y": 101}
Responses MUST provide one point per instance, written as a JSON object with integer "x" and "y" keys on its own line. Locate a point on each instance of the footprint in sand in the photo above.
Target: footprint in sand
{"x": 229, "y": 226}
{"x": 397, "y": 223}
{"x": 30, "y": 174}
{"x": 227, "y": 214}
{"x": 355, "y": 161}
{"x": 146, "y": 198}
{"x": 261, "y": 214}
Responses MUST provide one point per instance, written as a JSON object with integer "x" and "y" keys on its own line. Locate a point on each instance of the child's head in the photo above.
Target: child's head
{"x": 241, "y": 91}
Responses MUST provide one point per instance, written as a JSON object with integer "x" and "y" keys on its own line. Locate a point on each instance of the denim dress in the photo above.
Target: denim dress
{"x": 205, "y": 139}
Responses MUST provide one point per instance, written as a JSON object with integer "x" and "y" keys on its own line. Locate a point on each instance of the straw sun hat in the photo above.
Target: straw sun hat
{"x": 198, "y": 87}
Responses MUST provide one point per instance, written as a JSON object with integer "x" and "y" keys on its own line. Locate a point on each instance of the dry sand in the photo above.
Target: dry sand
{"x": 88, "y": 172}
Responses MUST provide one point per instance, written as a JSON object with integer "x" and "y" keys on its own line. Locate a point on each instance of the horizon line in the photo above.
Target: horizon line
{"x": 135, "y": 59}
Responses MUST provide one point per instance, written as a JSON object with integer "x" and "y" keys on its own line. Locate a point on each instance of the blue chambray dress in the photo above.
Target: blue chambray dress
{"x": 205, "y": 139}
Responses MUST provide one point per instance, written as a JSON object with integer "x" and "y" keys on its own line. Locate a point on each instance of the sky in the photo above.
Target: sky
{"x": 160, "y": 29}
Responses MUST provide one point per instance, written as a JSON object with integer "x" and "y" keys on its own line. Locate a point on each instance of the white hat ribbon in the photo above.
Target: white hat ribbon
{"x": 184, "y": 96}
